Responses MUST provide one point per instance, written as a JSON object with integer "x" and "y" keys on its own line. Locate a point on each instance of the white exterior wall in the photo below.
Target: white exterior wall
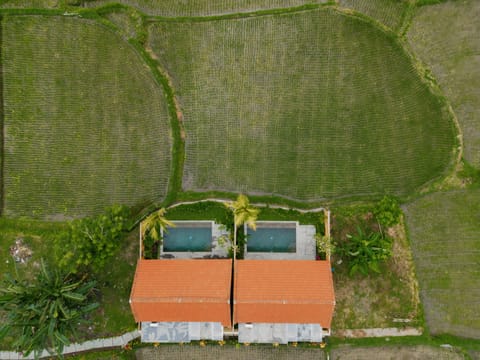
{"x": 175, "y": 332}
{"x": 279, "y": 333}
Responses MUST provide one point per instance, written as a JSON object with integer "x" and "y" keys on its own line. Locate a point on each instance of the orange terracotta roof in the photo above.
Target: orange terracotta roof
{"x": 284, "y": 291}
{"x": 182, "y": 290}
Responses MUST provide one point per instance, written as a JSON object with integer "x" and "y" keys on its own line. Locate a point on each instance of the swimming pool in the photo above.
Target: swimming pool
{"x": 278, "y": 237}
{"x": 188, "y": 236}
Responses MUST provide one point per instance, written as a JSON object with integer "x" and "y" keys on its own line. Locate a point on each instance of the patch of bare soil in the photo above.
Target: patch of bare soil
{"x": 419, "y": 352}
{"x": 389, "y": 299}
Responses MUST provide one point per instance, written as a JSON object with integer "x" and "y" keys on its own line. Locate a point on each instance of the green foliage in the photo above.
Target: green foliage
{"x": 90, "y": 242}
{"x": 243, "y": 212}
{"x": 44, "y": 313}
{"x": 364, "y": 252}
{"x": 325, "y": 246}
{"x": 387, "y": 211}
{"x": 151, "y": 229}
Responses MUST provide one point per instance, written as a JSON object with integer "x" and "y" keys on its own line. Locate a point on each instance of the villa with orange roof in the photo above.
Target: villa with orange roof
{"x": 270, "y": 300}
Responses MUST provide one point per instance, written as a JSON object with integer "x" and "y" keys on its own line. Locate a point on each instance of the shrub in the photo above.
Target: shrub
{"x": 387, "y": 211}
{"x": 325, "y": 246}
{"x": 364, "y": 252}
{"x": 90, "y": 242}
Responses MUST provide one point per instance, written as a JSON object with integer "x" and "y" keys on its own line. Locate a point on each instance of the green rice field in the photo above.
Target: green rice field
{"x": 445, "y": 237}
{"x": 176, "y": 8}
{"x": 311, "y": 105}
{"x": 446, "y": 37}
{"x": 85, "y": 123}
{"x": 388, "y": 12}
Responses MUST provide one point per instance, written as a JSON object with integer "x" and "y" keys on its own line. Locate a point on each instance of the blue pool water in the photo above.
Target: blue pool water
{"x": 188, "y": 238}
{"x": 272, "y": 240}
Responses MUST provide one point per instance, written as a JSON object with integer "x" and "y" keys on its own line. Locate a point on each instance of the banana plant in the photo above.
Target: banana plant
{"x": 44, "y": 313}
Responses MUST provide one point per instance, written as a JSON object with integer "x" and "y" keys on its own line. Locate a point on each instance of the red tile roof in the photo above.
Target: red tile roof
{"x": 284, "y": 291}
{"x": 182, "y": 290}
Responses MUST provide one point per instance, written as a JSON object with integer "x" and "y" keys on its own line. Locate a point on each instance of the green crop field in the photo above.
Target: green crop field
{"x": 445, "y": 236}
{"x": 28, "y": 3}
{"x": 85, "y": 123}
{"x": 388, "y": 12}
{"x": 446, "y": 37}
{"x": 205, "y": 7}
{"x": 308, "y": 105}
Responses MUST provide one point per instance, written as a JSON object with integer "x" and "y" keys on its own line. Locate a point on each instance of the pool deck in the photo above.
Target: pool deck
{"x": 305, "y": 244}
{"x": 220, "y": 246}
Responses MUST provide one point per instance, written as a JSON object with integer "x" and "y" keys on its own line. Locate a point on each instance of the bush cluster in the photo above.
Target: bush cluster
{"x": 88, "y": 243}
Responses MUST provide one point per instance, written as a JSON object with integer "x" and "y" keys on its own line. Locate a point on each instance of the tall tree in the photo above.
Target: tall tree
{"x": 44, "y": 313}
{"x": 243, "y": 213}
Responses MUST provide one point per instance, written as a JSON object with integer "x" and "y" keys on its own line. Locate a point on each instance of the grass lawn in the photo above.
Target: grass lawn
{"x": 388, "y": 299}
{"x": 445, "y": 235}
{"x": 388, "y": 12}
{"x": 86, "y": 125}
{"x": 446, "y": 37}
{"x": 210, "y": 210}
{"x": 310, "y": 105}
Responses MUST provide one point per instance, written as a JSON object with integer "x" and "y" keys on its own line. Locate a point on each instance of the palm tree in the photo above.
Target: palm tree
{"x": 154, "y": 224}
{"x": 243, "y": 213}
{"x": 44, "y": 313}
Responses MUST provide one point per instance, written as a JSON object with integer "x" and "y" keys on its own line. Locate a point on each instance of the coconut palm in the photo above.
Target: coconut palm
{"x": 44, "y": 313}
{"x": 243, "y": 213}
{"x": 154, "y": 224}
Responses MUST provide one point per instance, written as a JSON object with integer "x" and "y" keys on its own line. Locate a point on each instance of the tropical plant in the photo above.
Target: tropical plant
{"x": 325, "y": 245}
{"x": 151, "y": 229}
{"x": 243, "y": 213}
{"x": 44, "y": 313}
{"x": 88, "y": 243}
{"x": 365, "y": 251}
{"x": 387, "y": 211}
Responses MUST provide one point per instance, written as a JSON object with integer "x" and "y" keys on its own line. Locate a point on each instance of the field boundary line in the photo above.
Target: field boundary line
{"x": 178, "y": 145}
{"x": 259, "y": 204}
{"x": 2, "y": 125}
{"x": 241, "y": 15}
